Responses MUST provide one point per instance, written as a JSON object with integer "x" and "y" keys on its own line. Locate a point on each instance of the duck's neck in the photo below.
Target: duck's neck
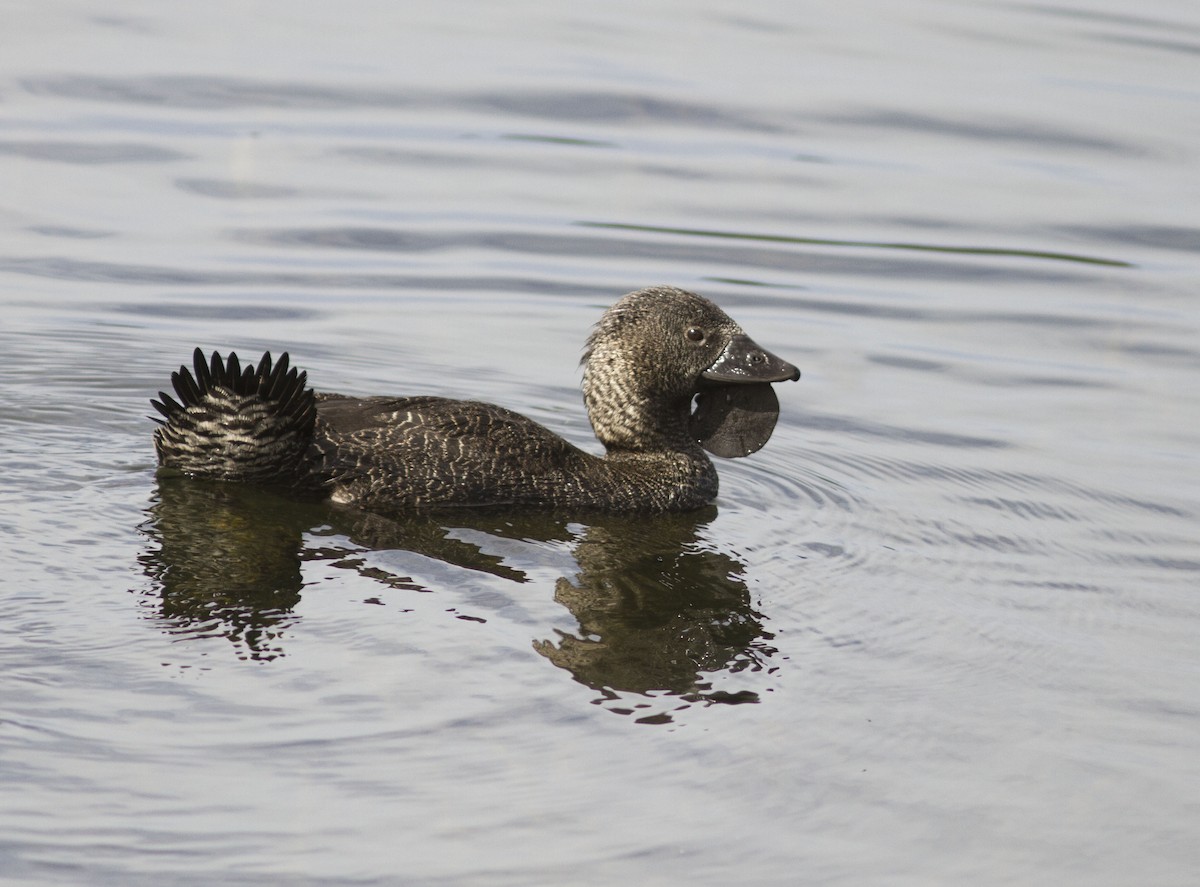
{"x": 653, "y": 462}
{"x": 642, "y": 425}
{"x": 661, "y": 469}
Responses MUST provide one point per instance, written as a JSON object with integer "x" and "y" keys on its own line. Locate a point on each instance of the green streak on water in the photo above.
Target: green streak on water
{"x": 867, "y": 244}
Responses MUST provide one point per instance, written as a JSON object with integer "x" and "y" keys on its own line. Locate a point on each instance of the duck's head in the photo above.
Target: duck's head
{"x": 655, "y": 351}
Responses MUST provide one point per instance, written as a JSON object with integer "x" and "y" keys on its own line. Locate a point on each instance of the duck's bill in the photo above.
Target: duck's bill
{"x": 735, "y": 420}
{"x": 737, "y": 409}
{"x": 745, "y": 362}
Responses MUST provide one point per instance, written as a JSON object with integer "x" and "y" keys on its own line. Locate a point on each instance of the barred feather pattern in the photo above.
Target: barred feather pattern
{"x": 252, "y": 425}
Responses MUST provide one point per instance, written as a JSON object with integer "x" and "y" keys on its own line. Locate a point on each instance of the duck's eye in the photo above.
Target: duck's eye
{"x": 695, "y": 334}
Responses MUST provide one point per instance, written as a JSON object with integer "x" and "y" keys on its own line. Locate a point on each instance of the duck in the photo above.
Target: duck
{"x": 668, "y": 378}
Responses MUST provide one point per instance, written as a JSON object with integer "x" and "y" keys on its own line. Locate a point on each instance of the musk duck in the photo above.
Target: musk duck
{"x": 667, "y": 375}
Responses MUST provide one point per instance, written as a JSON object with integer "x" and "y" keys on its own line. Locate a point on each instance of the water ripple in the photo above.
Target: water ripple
{"x": 1015, "y": 131}
{"x": 63, "y": 268}
{"x": 213, "y": 93}
{"x": 91, "y": 153}
{"x": 903, "y": 247}
{"x": 793, "y": 255}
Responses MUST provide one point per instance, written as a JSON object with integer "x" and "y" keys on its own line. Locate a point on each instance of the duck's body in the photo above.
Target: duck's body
{"x": 650, "y": 355}
{"x": 384, "y": 453}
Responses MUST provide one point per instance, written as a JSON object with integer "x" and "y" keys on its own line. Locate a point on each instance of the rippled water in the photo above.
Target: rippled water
{"x": 943, "y": 628}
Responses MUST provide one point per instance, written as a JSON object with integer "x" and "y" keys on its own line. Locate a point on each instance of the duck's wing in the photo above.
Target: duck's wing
{"x": 415, "y": 451}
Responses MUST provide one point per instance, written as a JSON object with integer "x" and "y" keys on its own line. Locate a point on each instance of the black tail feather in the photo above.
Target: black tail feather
{"x": 186, "y": 387}
{"x": 233, "y": 369}
{"x": 248, "y": 424}
{"x": 166, "y": 405}
{"x": 203, "y": 378}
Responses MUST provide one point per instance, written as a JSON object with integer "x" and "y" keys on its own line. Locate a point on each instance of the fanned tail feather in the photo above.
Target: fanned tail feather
{"x": 228, "y": 423}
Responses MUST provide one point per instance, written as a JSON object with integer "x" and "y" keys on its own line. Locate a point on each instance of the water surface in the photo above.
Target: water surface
{"x": 941, "y": 629}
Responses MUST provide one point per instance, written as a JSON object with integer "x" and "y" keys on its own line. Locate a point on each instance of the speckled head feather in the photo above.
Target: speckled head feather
{"x": 644, "y": 362}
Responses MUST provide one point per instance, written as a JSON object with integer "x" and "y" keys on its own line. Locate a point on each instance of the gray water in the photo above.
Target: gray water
{"x": 941, "y": 630}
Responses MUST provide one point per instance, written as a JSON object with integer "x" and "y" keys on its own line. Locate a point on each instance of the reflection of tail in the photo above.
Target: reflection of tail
{"x": 251, "y": 425}
{"x": 225, "y": 560}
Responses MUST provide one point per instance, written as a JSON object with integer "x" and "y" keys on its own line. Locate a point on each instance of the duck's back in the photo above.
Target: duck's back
{"x": 399, "y": 452}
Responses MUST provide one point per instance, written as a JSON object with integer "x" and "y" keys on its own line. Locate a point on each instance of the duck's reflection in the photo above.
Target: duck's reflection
{"x": 656, "y": 610}
{"x": 659, "y": 612}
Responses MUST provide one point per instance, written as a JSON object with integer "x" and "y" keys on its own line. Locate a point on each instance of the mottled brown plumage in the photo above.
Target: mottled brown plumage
{"x": 651, "y": 354}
